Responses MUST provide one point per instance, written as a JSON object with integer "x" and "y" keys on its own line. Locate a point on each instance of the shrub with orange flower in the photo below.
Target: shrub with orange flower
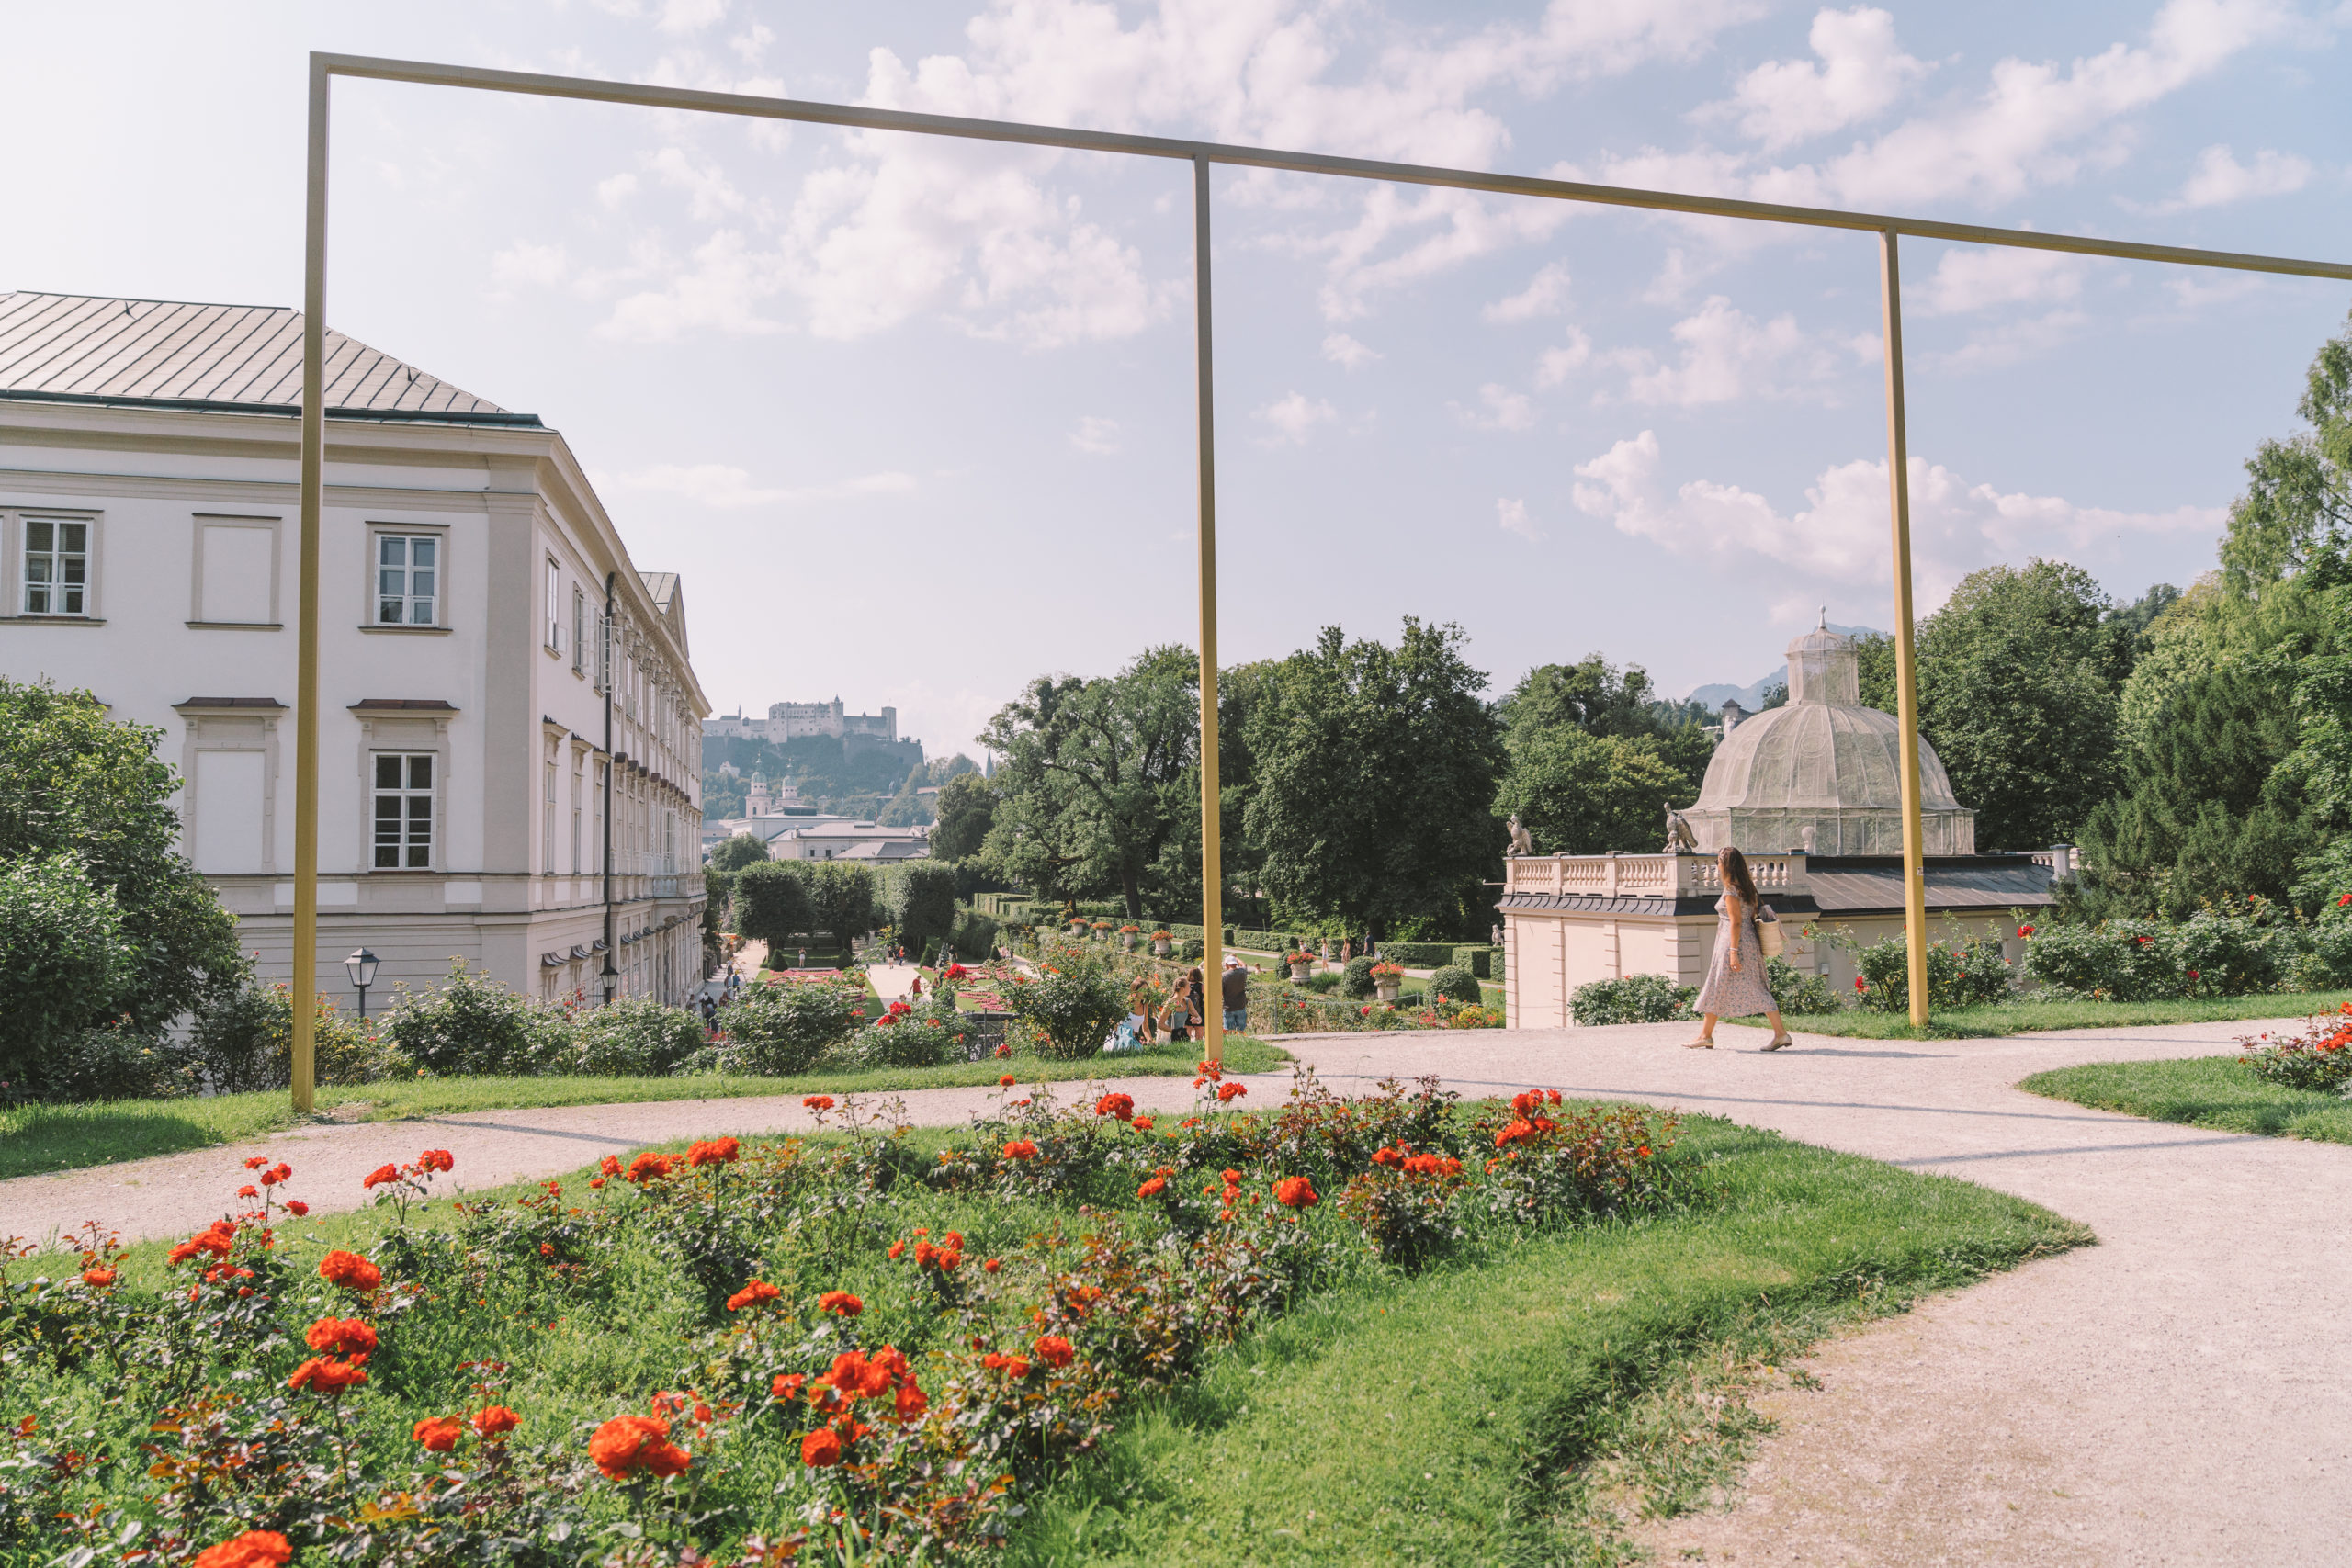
{"x": 97, "y": 1278}
{"x": 439, "y": 1434}
{"x": 753, "y": 1294}
{"x": 818, "y": 1103}
{"x": 628, "y": 1446}
{"x": 1119, "y": 1107}
{"x": 1020, "y": 1148}
{"x": 822, "y": 1449}
{"x": 841, "y": 1303}
{"x": 1055, "y": 1350}
{"x": 494, "y": 1421}
{"x": 325, "y": 1375}
{"x": 717, "y": 1151}
{"x": 1296, "y": 1192}
{"x": 254, "y": 1548}
{"x": 350, "y": 1271}
{"x": 648, "y": 1166}
{"x": 342, "y": 1337}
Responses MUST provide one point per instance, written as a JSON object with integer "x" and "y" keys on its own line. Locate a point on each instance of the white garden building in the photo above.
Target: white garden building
{"x": 480, "y": 721}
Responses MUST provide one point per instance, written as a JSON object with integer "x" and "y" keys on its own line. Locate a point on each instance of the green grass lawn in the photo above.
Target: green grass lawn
{"x": 2202, "y": 1091}
{"x": 1512, "y": 1409}
{"x": 38, "y": 1138}
{"x": 2026, "y": 1015}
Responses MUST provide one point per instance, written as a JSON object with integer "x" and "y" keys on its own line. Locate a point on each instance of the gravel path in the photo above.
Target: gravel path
{"x": 2177, "y": 1394}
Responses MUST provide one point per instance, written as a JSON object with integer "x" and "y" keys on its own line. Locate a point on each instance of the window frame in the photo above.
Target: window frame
{"x": 551, "y": 621}
{"x": 15, "y": 538}
{"x": 373, "y": 603}
{"x": 408, "y": 792}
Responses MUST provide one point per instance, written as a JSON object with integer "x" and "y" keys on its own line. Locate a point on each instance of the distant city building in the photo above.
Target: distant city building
{"x": 487, "y": 734}
{"x": 790, "y": 721}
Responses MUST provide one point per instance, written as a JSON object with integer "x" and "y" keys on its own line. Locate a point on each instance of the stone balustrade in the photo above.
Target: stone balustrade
{"x": 1643, "y": 877}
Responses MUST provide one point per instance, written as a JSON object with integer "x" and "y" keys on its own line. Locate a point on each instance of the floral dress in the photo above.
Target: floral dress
{"x": 1734, "y": 993}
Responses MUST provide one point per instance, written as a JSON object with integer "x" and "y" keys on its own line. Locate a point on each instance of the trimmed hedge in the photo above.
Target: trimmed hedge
{"x": 1264, "y": 941}
{"x": 1482, "y": 960}
{"x": 1418, "y": 954}
{"x": 918, "y": 899}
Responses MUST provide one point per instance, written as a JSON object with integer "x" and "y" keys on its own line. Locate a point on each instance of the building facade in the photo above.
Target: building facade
{"x": 789, "y": 721}
{"x": 502, "y": 690}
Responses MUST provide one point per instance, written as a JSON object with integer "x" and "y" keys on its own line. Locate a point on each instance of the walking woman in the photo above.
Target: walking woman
{"x": 1736, "y": 986}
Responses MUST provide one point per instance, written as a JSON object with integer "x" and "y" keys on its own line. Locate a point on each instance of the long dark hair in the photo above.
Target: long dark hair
{"x": 1732, "y": 867}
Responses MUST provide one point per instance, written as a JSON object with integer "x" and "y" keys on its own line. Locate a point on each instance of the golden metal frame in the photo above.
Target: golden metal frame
{"x": 1202, "y": 156}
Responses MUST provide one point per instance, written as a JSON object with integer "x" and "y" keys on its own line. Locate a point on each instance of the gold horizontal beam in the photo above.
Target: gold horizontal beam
{"x": 696, "y": 100}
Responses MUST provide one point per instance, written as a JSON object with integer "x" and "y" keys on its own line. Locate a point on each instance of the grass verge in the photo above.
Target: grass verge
{"x": 2026, "y": 1015}
{"x": 2201, "y": 1092}
{"x": 1521, "y": 1409}
{"x": 35, "y": 1139}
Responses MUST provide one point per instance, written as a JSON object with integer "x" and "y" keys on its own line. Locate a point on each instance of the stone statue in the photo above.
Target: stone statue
{"x": 1520, "y": 845}
{"x": 1680, "y": 839}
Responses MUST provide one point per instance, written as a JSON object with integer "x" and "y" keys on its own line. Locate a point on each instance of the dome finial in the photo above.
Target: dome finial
{"x": 1825, "y": 619}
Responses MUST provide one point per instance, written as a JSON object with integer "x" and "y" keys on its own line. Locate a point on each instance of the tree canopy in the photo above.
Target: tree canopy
{"x": 966, "y": 811}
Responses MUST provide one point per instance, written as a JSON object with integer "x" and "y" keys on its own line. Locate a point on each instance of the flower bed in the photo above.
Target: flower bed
{"x": 2318, "y": 1060}
{"x": 869, "y": 1345}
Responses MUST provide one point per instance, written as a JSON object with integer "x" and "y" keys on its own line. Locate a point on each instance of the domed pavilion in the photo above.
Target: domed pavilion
{"x": 1810, "y": 793}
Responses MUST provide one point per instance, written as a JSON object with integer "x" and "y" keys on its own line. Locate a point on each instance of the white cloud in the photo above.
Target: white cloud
{"x": 1546, "y": 294}
{"x": 1842, "y": 535}
{"x": 526, "y": 265}
{"x": 1510, "y": 515}
{"x": 1990, "y": 348}
{"x": 1553, "y": 365}
{"x": 721, "y": 485}
{"x": 610, "y": 192}
{"x": 712, "y": 195}
{"x": 1861, "y": 73}
{"x": 690, "y": 15}
{"x": 752, "y": 42}
{"x": 1975, "y": 279}
{"x": 719, "y": 290}
{"x": 1096, "y": 434}
{"x": 1728, "y": 354}
{"x": 1295, "y": 417}
{"x": 1342, "y": 349}
{"x": 1499, "y": 408}
{"x": 2219, "y": 178}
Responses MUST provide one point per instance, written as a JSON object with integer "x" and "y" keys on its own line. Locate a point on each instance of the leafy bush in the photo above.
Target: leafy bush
{"x": 245, "y": 1041}
{"x": 1478, "y": 960}
{"x": 975, "y": 935}
{"x": 1961, "y": 973}
{"x": 920, "y": 1035}
{"x": 1455, "y": 984}
{"x": 1417, "y": 954}
{"x": 1636, "y": 999}
{"x": 2318, "y": 1060}
{"x": 1356, "y": 980}
{"x": 471, "y": 1023}
{"x": 1797, "y": 991}
{"x": 638, "y": 1038}
{"x": 772, "y": 902}
{"x": 1192, "y": 951}
{"x": 781, "y": 1028}
{"x": 64, "y": 962}
{"x": 114, "y": 1063}
{"x": 1071, "y": 1005}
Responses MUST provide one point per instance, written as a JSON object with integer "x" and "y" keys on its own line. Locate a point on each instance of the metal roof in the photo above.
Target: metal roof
{"x": 78, "y": 348}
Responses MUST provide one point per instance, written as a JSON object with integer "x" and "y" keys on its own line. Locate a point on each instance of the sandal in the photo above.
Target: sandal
{"x": 1699, "y": 1044}
{"x": 1782, "y": 1043}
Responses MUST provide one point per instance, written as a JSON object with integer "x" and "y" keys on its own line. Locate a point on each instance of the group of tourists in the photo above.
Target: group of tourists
{"x": 1181, "y": 1017}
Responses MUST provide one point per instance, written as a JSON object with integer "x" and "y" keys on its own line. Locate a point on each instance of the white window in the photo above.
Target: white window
{"x": 554, "y": 632}
{"x": 578, "y": 632}
{"x": 57, "y": 566}
{"x": 404, "y": 810}
{"x": 547, "y": 823}
{"x": 408, "y": 580}
{"x": 578, "y": 787}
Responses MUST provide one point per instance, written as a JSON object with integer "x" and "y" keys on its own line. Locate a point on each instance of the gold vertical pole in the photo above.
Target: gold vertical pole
{"x": 1211, "y": 872}
{"x": 304, "y": 979}
{"x": 1906, "y": 679}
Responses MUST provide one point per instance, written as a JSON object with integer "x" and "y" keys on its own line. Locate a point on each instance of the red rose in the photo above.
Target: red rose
{"x": 381, "y": 1175}
{"x": 341, "y": 1336}
{"x": 439, "y": 1434}
{"x": 627, "y": 1445}
{"x": 254, "y": 1548}
{"x": 753, "y": 1294}
{"x": 820, "y": 1448}
{"x": 1153, "y": 1188}
{"x": 818, "y": 1103}
{"x": 350, "y": 1270}
{"x": 98, "y": 1279}
{"x": 841, "y": 1303}
{"x": 1020, "y": 1148}
{"x": 320, "y": 1375}
{"x": 1055, "y": 1350}
{"x": 1007, "y": 1081}
{"x": 719, "y": 1151}
{"x": 495, "y": 1421}
{"x": 296, "y": 1207}
{"x": 437, "y": 1159}
{"x": 1297, "y": 1192}
{"x": 1120, "y": 1106}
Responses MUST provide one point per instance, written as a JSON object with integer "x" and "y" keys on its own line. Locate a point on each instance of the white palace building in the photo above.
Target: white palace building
{"x": 482, "y": 727}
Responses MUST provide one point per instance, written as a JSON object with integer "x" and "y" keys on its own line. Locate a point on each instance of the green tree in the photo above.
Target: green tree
{"x": 841, "y": 896}
{"x": 2299, "y": 495}
{"x": 966, "y": 811}
{"x": 65, "y": 963}
{"x": 918, "y": 900}
{"x": 1580, "y": 794}
{"x": 1093, "y": 776}
{"x": 2017, "y": 686}
{"x": 742, "y": 849}
{"x": 70, "y": 779}
{"x": 1591, "y": 695}
{"x": 1375, "y": 770}
{"x": 772, "y": 902}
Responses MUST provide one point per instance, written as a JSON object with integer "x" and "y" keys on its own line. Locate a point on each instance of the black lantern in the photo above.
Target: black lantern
{"x": 611, "y": 979}
{"x": 361, "y": 967}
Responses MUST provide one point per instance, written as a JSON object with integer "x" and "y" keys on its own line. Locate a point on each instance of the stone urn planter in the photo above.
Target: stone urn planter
{"x": 1301, "y": 965}
{"x": 1162, "y": 944}
{"x": 1078, "y": 928}
{"x": 1128, "y": 939}
{"x": 1385, "y": 989}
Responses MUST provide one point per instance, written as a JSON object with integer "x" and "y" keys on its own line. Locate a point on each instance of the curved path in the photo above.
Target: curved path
{"x": 2176, "y": 1394}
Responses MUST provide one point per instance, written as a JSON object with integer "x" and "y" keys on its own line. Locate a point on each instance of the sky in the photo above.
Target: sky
{"x": 915, "y": 417}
